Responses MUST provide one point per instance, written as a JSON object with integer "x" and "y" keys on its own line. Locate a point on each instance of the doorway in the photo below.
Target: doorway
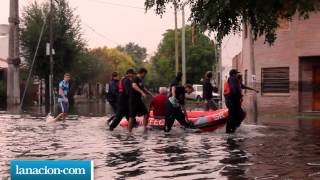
{"x": 316, "y": 88}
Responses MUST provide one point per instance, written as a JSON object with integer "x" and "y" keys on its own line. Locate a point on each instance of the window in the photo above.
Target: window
{"x": 275, "y": 80}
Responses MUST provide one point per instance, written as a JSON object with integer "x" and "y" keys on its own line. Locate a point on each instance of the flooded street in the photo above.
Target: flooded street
{"x": 273, "y": 148}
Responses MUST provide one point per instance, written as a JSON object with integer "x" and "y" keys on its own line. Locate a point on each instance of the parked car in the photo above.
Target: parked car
{"x": 197, "y": 93}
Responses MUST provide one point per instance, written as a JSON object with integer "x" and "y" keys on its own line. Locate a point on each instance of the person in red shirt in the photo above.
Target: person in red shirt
{"x": 158, "y": 104}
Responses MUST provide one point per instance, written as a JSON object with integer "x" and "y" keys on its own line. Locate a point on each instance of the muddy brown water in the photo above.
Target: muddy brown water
{"x": 272, "y": 148}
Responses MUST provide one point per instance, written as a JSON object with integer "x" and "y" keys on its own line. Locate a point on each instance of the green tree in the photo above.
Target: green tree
{"x": 67, "y": 41}
{"x": 137, "y": 53}
{"x": 227, "y": 16}
{"x": 201, "y": 55}
{"x": 112, "y": 60}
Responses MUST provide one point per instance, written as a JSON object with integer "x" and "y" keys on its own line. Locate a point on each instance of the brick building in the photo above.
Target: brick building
{"x": 287, "y": 74}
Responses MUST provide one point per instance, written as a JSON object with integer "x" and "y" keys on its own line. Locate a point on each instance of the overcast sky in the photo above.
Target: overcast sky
{"x": 113, "y": 22}
{"x": 117, "y": 22}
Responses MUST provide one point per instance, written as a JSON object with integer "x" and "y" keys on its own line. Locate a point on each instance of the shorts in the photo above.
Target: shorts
{"x": 64, "y": 106}
{"x": 137, "y": 108}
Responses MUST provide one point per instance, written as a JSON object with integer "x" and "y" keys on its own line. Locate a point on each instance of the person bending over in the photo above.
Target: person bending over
{"x": 175, "y": 108}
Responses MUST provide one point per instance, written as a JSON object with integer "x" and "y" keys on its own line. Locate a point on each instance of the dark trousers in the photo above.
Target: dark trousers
{"x": 114, "y": 106}
{"x": 234, "y": 118}
{"x": 172, "y": 114}
{"x": 122, "y": 111}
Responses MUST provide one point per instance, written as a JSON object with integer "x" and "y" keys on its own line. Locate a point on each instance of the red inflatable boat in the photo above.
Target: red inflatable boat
{"x": 203, "y": 120}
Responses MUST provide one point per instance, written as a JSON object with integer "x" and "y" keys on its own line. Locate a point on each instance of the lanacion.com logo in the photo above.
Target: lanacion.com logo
{"x": 51, "y": 169}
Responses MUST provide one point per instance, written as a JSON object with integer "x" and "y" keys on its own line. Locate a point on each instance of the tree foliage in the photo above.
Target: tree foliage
{"x": 227, "y": 16}
{"x": 111, "y": 59}
{"x": 200, "y": 57}
{"x": 67, "y": 41}
{"x": 137, "y": 53}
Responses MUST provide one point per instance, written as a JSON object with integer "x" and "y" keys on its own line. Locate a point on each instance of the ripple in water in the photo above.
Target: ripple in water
{"x": 254, "y": 152}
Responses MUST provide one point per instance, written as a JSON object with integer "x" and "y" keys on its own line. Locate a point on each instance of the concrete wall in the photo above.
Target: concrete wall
{"x": 301, "y": 39}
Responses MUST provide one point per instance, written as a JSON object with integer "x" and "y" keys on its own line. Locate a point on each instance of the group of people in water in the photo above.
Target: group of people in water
{"x": 126, "y": 96}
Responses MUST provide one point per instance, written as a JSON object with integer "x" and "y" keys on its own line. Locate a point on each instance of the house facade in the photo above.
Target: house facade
{"x": 287, "y": 74}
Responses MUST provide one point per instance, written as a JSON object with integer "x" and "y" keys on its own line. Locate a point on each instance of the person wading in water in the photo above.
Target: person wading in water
{"x": 232, "y": 94}
{"x": 123, "y": 104}
{"x": 136, "y": 105}
{"x": 113, "y": 94}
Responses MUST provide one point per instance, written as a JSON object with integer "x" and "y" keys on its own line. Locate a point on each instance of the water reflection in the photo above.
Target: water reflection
{"x": 235, "y": 159}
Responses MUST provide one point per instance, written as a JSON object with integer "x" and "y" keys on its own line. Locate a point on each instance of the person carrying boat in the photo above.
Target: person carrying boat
{"x": 240, "y": 79}
{"x": 207, "y": 92}
{"x": 136, "y": 105}
{"x": 158, "y": 104}
{"x": 124, "y": 95}
{"x": 113, "y": 94}
{"x": 63, "y": 97}
{"x": 175, "y": 107}
{"x": 233, "y": 95}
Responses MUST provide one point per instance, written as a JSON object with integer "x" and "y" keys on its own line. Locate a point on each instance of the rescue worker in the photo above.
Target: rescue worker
{"x": 113, "y": 94}
{"x": 136, "y": 105}
{"x": 123, "y": 104}
{"x": 175, "y": 108}
{"x": 232, "y": 94}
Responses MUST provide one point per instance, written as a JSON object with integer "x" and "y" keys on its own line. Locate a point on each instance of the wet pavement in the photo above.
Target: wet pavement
{"x": 275, "y": 147}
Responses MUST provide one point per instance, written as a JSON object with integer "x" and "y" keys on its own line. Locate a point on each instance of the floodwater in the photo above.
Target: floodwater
{"x": 281, "y": 147}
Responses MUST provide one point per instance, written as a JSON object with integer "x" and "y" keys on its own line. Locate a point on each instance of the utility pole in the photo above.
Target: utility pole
{"x": 176, "y": 36}
{"x": 183, "y": 45}
{"x": 194, "y": 33}
{"x": 219, "y": 71}
{"x": 13, "y": 81}
{"x": 253, "y": 74}
{"x": 51, "y": 57}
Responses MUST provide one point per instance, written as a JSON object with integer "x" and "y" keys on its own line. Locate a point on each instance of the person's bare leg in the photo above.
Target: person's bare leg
{"x": 64, "y": 117}
{"x": 58, "y": 117}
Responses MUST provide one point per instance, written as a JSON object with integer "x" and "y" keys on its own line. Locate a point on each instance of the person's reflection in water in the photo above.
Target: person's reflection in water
{"x": 234, "y": 160}
{"x": 125, "y": 157}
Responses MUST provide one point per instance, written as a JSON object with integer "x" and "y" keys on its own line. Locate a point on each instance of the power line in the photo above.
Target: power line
{"x": 100, "y": 34}
{"x": 118, "y": 4}
{"x": 122, "y": 5}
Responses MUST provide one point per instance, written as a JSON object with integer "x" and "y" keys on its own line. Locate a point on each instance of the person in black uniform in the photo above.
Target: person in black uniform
{"x": 136, "y": 105}
{"x": 207, "y": 93}
{"x": 175, "y": 107}
{"x": 113, "y": 94}
{"x": 123, "y": 103}
{"x": 176, "y": 82}
{"x": 233, "y": 101}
